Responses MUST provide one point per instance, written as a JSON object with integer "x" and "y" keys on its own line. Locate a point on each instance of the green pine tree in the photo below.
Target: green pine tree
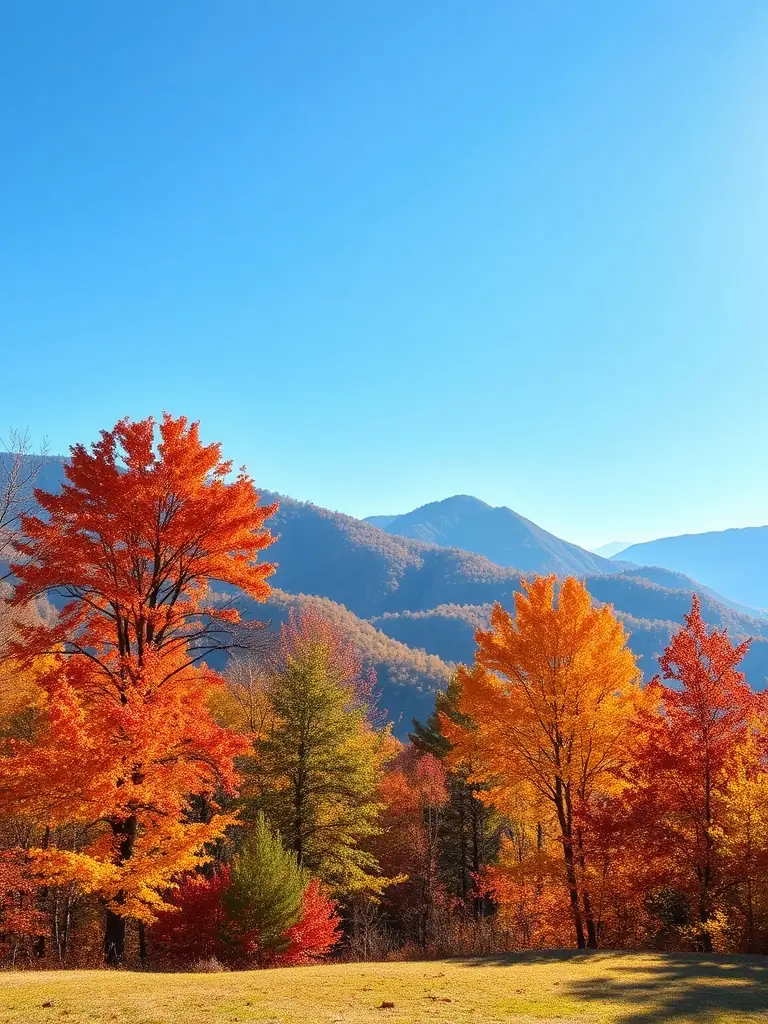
{"x": 266, "y": 889}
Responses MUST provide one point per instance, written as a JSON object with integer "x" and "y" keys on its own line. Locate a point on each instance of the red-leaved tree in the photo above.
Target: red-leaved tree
{"x": 689, "y": 737}
{"x": 146, "y": 521}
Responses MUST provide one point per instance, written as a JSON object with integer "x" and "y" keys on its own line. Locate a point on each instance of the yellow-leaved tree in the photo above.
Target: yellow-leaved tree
{"x": 551, "y": 698}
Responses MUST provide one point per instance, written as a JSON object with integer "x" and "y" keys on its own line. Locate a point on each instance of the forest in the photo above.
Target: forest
{"x": 183, "y": 787}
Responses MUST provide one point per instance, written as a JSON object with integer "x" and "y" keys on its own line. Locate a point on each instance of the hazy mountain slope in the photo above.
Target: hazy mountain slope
{"x": 448, "y": 630}
{"x": 645, "y": 600}
{"x": 615, "y": 547}
{"x": 678, "y": 581}
{"x": 381, "y": 521}
{"x": 373, "y": 573}
{"x": 370, "y": 571}
{"x": 498, "y": 534}
{"x": 732, "y": 562}
{"x": 50, "y": 469}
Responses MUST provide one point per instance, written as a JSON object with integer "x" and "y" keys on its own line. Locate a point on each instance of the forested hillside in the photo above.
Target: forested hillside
{"x": 405, "y": 599}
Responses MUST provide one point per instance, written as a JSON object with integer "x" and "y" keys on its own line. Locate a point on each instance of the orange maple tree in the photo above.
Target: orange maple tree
{"x": 146, "y": 521}
{"x": 551, "y": 698}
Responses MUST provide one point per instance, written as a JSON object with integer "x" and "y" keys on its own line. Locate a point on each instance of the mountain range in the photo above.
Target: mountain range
{"x": 412, "y": 598}
{"x": 734, "y": 562}
{"x": 612, "y": 548}
{"x": 432, "y": 598}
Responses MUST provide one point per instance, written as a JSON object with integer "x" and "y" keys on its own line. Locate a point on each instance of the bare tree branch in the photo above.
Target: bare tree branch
{"x": 19, "y": 469}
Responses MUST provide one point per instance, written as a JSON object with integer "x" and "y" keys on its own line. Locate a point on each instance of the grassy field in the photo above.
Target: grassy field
{"x": 538, "y": 987}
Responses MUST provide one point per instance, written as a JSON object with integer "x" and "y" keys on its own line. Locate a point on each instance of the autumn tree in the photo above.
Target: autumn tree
{"x": 415, "y": 793}
{"x": 146, "y": 521}
{"x": 551, "y": 697}
{"x": 692, "y": 749}
{"x": 265, "y": 892}
{"x": 316, "y": 760}
{"x": 743, "y": 848}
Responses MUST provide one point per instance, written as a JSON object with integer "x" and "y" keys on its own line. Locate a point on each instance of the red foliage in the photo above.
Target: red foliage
{"x": 316, "y": 933}
{"x": 200, "y": 927}
{"x": 414, "y": 792}
{"x": 19, "y": 918}
{"x": 687, "y": 747}
{"x": 145, "y": 522}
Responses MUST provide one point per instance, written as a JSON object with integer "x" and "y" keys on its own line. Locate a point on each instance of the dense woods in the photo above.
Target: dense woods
{"x": 181, "y": 786}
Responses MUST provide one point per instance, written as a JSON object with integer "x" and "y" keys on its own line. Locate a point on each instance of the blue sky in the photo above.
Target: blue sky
{"x": 394, "y": 250}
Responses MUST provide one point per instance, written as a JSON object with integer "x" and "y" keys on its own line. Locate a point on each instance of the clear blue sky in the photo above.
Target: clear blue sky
{"x": 393, "y": 250}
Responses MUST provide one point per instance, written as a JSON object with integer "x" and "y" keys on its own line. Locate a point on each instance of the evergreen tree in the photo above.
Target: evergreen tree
{"x": 261, "y": 910}
{"x": 265, "y": 891}
{"x": 317, "y": 761}
{"x": 470, "y": 828}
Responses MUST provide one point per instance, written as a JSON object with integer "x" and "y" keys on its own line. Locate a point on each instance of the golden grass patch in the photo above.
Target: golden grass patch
{"x": 532, "y": 988}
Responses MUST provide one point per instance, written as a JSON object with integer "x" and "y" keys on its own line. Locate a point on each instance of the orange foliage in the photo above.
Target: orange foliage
{"x": 551, "y": 698}
{"x": 134, "y": 540}
{"x": 414, "y": 792}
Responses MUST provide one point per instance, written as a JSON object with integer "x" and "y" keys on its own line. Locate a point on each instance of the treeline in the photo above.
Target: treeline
{"x": 154, "y": 810}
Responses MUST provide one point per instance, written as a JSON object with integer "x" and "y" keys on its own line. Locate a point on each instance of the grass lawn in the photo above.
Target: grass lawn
{"x": 620, "y": 988}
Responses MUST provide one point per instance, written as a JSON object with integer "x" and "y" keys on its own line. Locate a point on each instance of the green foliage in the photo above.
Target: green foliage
{"x": 669, "y": 907}
{"x": 266, "y": 889}
{"x": 408, "y": 678}
{"x": 316, "y": 767}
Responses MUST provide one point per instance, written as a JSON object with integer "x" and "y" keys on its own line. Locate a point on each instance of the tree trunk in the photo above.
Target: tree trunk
{"x": 463, "y": 854}
{"x": 114, "y": 939}
{"x": 573, "y": 893}
{"x": 298, "y": 807}
{"x": 750, "y": 917}
{"x": 43, "y": 898}
{"x": 590, "y": 921}
{"x": 477, "y": 859}
{"x": 566, "y": 833}
{"x": 115, "y": 924}
{"x": 589, "y": 917}
{"x": 706, "y": 874}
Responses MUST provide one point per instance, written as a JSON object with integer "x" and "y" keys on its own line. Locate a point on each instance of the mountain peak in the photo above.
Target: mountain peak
{"x": 497, "y": 532}
{"x": 460, "y": 502}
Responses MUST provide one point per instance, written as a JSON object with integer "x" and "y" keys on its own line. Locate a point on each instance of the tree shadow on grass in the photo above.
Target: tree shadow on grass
{"x": 665, "y": 987}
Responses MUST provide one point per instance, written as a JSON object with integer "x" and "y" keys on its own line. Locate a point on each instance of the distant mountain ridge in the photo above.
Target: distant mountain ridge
{"x": 732, "y": 562}
{"x": 498, "y": 533}
{"x": 412, "y": 607}
{"x": 610, "y": 550}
